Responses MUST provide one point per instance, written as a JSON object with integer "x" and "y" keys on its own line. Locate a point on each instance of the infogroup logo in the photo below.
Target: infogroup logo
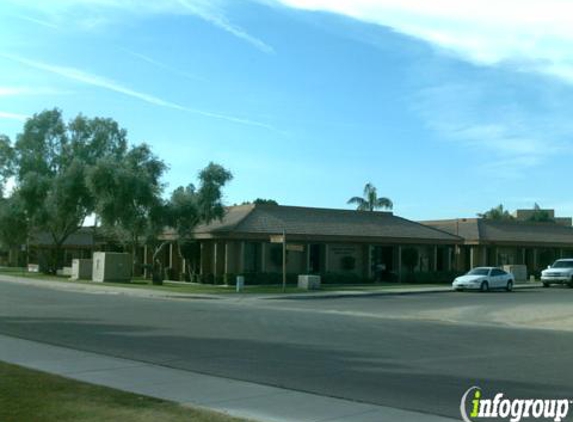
{"x": 475, "y": 407}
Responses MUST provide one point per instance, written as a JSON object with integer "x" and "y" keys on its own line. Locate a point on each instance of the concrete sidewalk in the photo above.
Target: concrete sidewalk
{"x": 236, "y": 297}
{"x": 236, "y": 398}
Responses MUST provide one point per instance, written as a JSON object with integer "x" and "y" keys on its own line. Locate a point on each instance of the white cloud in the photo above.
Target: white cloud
{"x": 502, "y": 137}
{"x": 13, "y": 116}
{"x": 12, "y": 91}
{"x": 38, "y": 21}
{"x": 66, "y": 11}
{"x": 536, "y": 33}
{"x": 162, "y": 65}
{"x": 105, "y": 83}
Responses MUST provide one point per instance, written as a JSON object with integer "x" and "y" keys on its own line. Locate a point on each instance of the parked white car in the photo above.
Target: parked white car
{"x": 484, "y": 279}
{"x": 561, "y": 272}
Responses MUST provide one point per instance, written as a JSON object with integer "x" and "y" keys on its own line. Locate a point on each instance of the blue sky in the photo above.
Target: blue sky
{"x": 448, "y": 107}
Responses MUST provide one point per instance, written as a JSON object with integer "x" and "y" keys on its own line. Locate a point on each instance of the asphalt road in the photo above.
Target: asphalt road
{"x": 415, "y": 352}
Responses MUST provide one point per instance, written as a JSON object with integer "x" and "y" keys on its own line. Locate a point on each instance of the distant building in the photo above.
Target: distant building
{"x": 499, "y": 242}
{"x": 527, "y": 214}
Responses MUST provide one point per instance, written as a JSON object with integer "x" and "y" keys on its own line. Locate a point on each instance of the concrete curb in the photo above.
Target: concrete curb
{"x": 105, "y": 290}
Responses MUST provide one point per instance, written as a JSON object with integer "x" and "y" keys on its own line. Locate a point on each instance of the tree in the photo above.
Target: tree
{"x": 189, "y": 207}
{"x": 127, "y": 191}
{"x": 370, "y": 201}
{"x": 6, "y": 161}
{"x": 261, "y": 201}
{"x": 50, "y": 160}
{"x": 497, "y": 213}
{"x": 13, "y": 226}
{"x": 539, "y": 215}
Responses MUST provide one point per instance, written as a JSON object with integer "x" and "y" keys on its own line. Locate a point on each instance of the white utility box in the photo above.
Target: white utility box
{"x": 82, "y": 269}
{"x": 309, "y": 282}
{"x": 111, "y": 266}
{"x": 518, "y": 271}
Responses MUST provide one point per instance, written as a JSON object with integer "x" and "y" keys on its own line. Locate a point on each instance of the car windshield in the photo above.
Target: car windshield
{"x": 479, "y": 271}
{"x": 563, "y": 264}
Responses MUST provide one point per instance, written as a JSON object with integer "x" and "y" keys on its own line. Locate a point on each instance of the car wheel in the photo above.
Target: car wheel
{"x": 509, "y": 286}
{"x": 545, "y": 284}
{"x": 571, "y": 283}
{"x": 484, "y": 286}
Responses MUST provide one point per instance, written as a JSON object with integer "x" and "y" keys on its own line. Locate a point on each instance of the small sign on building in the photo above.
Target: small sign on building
{"x": 295, "y": 247}
{"x": 277, "y": 238}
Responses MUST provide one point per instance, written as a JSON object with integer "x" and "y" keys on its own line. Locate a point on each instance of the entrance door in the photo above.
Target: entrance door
{"x": 315, "y": 261}
{"x": 382, "y": 263}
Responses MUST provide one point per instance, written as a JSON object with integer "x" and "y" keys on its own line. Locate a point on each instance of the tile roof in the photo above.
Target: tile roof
{"x": 303, "y": 221}
{"x": 492, "y": 231}
{"x": 468, "y": 228}
{"x": 82, "y": 238}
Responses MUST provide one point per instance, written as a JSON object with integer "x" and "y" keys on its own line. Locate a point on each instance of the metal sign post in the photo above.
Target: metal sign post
{"x": 284, "y": 261}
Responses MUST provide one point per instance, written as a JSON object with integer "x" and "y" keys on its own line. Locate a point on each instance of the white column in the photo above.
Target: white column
{"x": 449, "y": 258}
{"x": 399, "y": 263}
{"x": 369, "y": 261}
{"x": 201, "y": 257}
{"x": 215, "y": 257}
{"x": 145, "y": 261}
{"x": 241, "y": 265}
{"x": 226, "y": 257}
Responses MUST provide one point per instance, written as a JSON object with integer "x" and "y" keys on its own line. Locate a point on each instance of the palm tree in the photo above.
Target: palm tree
{"x": 370, "y": 201}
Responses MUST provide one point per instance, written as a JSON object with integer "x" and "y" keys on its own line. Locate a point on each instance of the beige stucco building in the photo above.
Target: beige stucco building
{"x": 357, "y": 245}
{"x": 498, "y": 243}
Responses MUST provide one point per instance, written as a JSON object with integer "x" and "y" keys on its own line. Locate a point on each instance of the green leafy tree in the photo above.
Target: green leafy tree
{"x": 370, "y": 201}
{"x": 189, "y": 207}
{"x": 6, "y": 161}
{"x": 497, "y": 213}
{"x": 13, "y": 226}
{"x": 261, "y": 201}
{"x": 127, "y": 190}
{"x": 49, "y": 161}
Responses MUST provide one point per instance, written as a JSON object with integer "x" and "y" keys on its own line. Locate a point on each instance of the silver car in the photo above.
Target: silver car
{"x": 484, "y": 279}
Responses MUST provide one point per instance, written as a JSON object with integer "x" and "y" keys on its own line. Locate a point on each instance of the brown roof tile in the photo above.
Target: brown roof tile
{"x": 303, "y": 221}
{"x": 517, "y": 232}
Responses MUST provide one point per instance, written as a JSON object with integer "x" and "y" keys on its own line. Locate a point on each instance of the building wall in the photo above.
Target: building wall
{"x": 346, "y": 258}
{"x": 357, "y": 260}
